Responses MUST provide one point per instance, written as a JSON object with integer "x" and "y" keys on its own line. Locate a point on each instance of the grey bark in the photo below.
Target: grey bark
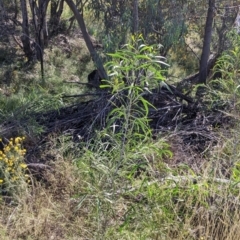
{"x": 135, "y": 17}
{"x": 206, "y": 43}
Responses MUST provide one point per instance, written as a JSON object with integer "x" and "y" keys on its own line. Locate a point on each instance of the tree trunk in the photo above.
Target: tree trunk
{"x": 135, "y": 17}
{"x": 206, "y": 43}
{"x": 237, "y": 21}
{"x": 40, "y": 25}
{"x": 16, "y": 10}
{"x": 93, "y": 53}
{"x": 44, "y": 22}
{"x": 55, "y": 15}
{"x": 25, "y": 38}
{"x": 42, "y": 28}
{"x": 2, "y": 10}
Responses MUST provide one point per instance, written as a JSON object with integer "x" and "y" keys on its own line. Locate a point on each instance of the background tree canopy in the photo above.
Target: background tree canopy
{"x": 180, "y": 26}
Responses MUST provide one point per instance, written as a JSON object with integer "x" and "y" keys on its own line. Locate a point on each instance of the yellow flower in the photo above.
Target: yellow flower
{"x": 23, "y": 165}
{"x": 8, "y": 169}
{"x": 17, "y": 140}
{"x": 15, "y": 178}
{"x": 1, "y": 181}
{"x": 6, "y": 149}
{"x": 22, "y": 153}
{"x": 10, "y": 163}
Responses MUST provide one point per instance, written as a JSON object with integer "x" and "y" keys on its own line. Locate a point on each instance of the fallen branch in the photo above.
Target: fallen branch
{"x": 177, "y": 180}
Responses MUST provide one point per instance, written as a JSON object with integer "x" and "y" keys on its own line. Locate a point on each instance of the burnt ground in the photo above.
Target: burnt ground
{"x": 189, "y": 121}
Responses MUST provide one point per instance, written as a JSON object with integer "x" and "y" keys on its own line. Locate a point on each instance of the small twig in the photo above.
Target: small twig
{"x": 84, "y": 95}
{"x": 168, "y": 107}
{"x": 38, "y": 165}
{"x": 17, "y": 42}
{"x": 188, "y": 45}
{"x": 76, "y": 82}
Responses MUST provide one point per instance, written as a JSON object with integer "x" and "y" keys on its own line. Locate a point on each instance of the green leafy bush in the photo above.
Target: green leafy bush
{"x": 123, "y": 153}
{"x": 133, "y": 70}
{"x": 225, "y": 89}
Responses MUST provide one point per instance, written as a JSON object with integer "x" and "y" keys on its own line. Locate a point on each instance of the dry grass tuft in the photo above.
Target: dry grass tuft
{"x": 46, "y": 210}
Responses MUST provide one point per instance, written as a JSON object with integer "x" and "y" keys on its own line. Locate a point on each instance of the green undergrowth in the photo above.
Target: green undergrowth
{"x": 89, "y": 195}
{"x": 224, "y": 89}
{"x": 123, "y": 183}
{"x": 23, "y": 92}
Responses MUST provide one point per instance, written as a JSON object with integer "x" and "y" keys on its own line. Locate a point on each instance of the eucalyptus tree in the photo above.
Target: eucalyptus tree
{"x": 114, "y": 20}
{"x": 168, "y": 22}
{"x": 158, "y": 21}
{"x": 163, "y": 22}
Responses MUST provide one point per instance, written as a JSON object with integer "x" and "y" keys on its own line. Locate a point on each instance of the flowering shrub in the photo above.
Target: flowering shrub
{"x": 12, "y": 166}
